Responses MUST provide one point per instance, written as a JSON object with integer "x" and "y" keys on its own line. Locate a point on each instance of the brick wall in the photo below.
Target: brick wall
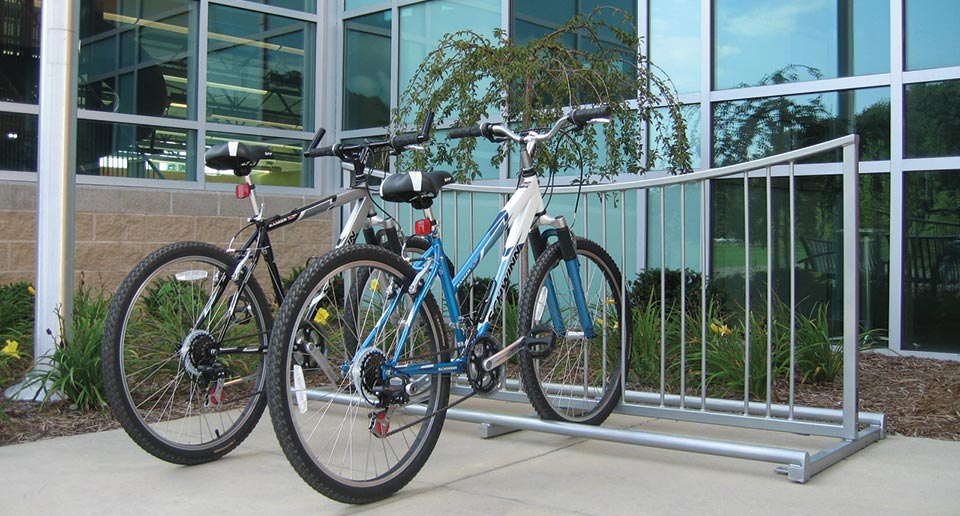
{"x": 116, "y": 227}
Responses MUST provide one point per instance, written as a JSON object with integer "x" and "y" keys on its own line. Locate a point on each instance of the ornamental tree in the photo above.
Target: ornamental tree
{"x": 587, "y": 61}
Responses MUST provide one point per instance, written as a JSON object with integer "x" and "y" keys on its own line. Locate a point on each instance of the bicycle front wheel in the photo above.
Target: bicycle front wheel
{"x": 579, "y": 380}
{"x": 351, "y": 425}
{"x": 183, "y": 353}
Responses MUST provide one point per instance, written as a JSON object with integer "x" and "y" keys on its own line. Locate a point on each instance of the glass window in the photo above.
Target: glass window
{"x": 932, "y": 38}
{"x": 532, "y": 19}
{"x": 18, "y": 142}
{"x": 286, "y": 167}
{"x": 819, "y": 226}
{"x": 932, "y": 119}
{"x": 674, "y": 41}
{"x": 349, "y": 5}
{"x": 760, "y": 42}
{"x": 691, "y": 115}
{"x": 366, "y": 71}
{"x": 422, "y": 25}
{"x": 931, "y": 283}
{"x": 672, "y": 240}
{"x": 750, "y": 129}
{"x": 128, "y": 150}
{"x": 19, "y": 51}
{"x": 259, "y": 69}
{"x": 137, "y": 57}
{"x": 299, "y": 5}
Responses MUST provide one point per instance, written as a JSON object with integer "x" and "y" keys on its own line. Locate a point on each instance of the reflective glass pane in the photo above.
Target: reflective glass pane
{"x": 761, "y": 42}
{"x": 299, "y": 5}
{"x": 359, "y": 4}
{"x": 136, "y": 57}
{"x": 259, "y": 69}
{"x": 286, "y": 167}
{"x": 932, "y": 120}
{"x": 931, "y": 283}
{"x": 532, "y": 19}
{"x": 674, "y": 41}
{"x": 750, "y": 129}
{"x": 422, "y": 25}
{"x": 19, "y": 51}
{"x": 676, "y": 259}
{"x": 18, "y": 142}
{"x": 691, "y": 115}
{"x": 932, "y": 38}
{"x": 819, "y": 237}
{"x": 128, "y": 150}
{"x": 366, "y": 71}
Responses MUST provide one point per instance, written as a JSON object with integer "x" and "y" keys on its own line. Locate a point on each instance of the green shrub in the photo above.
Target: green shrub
{"x": 75, "y": 364}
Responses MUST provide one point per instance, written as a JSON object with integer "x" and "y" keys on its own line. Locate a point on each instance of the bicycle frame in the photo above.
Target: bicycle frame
{"x": 520, "y": 219}
{"x": 362, "y": 218}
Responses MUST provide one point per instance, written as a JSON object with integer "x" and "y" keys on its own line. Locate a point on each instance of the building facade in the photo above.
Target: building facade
{"x": 160, "y": 80}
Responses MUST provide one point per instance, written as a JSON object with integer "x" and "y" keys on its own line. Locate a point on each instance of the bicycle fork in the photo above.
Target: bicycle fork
{"x": 542, "y": 338}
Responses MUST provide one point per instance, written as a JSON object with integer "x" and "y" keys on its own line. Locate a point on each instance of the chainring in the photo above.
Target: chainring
{"x": 485, "y": 383}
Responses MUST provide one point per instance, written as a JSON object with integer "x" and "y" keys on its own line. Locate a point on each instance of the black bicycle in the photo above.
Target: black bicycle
{"x": 187, "y": 331}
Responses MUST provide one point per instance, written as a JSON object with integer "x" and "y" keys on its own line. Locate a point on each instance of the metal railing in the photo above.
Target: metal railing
{"x": 853, "y": 429}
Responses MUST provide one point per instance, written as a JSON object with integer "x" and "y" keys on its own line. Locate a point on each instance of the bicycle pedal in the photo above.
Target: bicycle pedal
{"x": 541, "y": 341}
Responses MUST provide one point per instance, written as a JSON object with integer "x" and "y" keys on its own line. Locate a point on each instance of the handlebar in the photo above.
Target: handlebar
{"x": 397, "y": 143}
{"x": 577, "y": 117}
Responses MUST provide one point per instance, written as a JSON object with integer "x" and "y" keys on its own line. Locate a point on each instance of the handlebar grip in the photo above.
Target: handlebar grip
{"x": 320, "y": 151}
{"x": 474, "y": 131}
{"x": 581, "y": 117}
{"x": 401, "y": 141}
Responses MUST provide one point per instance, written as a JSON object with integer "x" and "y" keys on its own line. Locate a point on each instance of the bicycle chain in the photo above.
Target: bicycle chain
{"x": 428, "y": 416}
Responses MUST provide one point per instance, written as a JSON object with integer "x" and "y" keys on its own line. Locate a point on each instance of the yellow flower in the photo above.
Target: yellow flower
{"x": 374, "y": 284}
{"x": 31, "y": 290}
{"x": 611, "y": 301}
{"x": 11, "y": 349}
{"x": 321, "y": 316}
{"x": 722, "y": 330}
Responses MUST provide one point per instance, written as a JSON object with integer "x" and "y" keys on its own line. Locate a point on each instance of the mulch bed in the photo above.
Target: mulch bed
{"x": 920, "y": 397}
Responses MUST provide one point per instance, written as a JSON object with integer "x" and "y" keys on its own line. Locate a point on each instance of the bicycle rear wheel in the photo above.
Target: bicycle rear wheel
{"x": 182, "y": 368}
{"x": 579, "y": 381}
{"x": 352, "y": 428}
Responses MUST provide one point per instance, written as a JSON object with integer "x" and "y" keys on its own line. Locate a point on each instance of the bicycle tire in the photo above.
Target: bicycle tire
{"x": 326, "y": 435}
{"x": 163, "y": 401}
{"x": 579, "y": 381}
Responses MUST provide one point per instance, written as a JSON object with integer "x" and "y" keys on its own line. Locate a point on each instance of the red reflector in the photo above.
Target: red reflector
{"x": 422, "y": 227}
{"x": 243, "y": 191}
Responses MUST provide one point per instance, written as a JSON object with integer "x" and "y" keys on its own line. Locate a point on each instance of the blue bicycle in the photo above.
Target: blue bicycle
{"x": 360, "y": 417}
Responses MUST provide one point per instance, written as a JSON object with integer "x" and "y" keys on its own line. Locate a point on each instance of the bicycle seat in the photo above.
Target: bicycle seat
{"x": 235, "y": 156}
{"x": 416, "y": 188}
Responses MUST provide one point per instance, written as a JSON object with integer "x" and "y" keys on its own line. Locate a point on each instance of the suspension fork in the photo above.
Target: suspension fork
{"x": 568, "y": 253}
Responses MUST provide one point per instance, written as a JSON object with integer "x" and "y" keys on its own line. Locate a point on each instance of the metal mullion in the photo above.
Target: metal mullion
{"x": 896, "y": 258}
{"x": 203, "y": 27}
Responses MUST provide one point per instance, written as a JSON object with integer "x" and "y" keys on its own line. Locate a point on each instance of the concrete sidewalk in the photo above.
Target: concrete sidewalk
{"x": 517, "y": 473}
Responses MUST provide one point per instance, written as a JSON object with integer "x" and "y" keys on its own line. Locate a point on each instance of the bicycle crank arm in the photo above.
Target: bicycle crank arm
{"x": 323, "y": 363}
{"x": 503, "y": 355}
{"x": 540, "y": 343}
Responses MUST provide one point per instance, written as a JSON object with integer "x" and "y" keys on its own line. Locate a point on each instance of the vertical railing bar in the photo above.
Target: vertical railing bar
{"x": 704, "y": 243}
{"x": 793, "y": 292}
{"x": 683, "y": 295}
{"x": 625, "y": 313}
{"x": 851, "y": 287}
{"x": 663, "y": 290}
{"x": 603, "y": 239}
{"x": 746, "y": 280}
{"x": 770, "y": 327}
